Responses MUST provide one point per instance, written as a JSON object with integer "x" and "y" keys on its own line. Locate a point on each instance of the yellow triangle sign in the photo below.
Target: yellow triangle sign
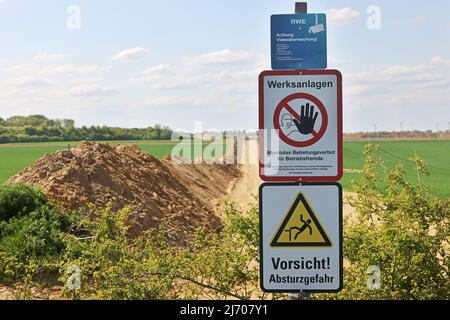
{"x": 301, "y": 227}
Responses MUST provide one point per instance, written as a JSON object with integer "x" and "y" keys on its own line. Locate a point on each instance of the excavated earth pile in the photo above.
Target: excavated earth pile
{"x": 180, "y": 196}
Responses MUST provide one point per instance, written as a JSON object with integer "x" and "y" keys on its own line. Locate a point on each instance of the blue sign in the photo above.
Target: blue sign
{"x": 299, "y": 41}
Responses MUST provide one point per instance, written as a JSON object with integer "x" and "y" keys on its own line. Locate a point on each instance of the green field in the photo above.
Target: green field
{"x": 436, "y": 153}
{"x": 15, "y": 157}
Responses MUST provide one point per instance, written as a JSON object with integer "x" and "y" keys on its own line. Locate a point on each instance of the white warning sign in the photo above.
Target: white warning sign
{"x": 301, "y": 237}
{"x": 300, "y": 122}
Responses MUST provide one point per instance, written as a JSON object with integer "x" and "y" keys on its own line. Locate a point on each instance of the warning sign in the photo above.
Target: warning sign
{"x": 296, "y": 129}
{"x": 300, "y": 122}
{"x": 301, "y": 227}
{"x": 301, "y": 237}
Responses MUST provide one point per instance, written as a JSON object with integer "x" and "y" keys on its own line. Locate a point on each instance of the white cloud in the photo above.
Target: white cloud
{"x": 28, "y": 69}
{"x": 223, "y": 57}
{"x": 69, "y": 69}
{"x": 158, "y": 69}
{"x": 41, "y": 81}
{"x": 440, "y": 61}
{"x": 131, "y": 54}
{"x": 402, "y": 70}
{"x": 217, "y": 71}
{"x": 436, "y": 71}
{"x": 93, "y": 91}
{"x": 156, "y": 73}
{"x": 48, "y": 57}
{"x": 178, "y": 101}
{"x": 219, "y": 88}
{"x": 400, "y": 93}
{"x": 22, "y": 69}
{"x": 23, "y": 92}
{"x": 342, "y": 15}
{"x": 356, "y": 89}
{"x": 26, "y": 81}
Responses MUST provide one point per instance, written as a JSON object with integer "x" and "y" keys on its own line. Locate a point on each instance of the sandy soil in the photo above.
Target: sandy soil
{"x": 244, "y": 191}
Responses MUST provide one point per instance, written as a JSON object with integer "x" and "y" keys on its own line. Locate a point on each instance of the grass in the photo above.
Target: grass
{"x": 15, "y": 157}
{"x": 435, "y": 152}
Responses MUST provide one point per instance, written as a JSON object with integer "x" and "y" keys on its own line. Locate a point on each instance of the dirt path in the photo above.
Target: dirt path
{"x": 244, "y": 190}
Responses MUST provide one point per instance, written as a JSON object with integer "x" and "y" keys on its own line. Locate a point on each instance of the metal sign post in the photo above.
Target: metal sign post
{"x": 301, "y": 7}
{"x": 300, "y": 122}
{"x": 298, "y": 41}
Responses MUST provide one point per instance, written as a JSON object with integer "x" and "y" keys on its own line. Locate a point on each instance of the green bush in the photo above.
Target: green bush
{"x": 112, "y": 265}
{"x": 220, "y": 265}
{"x": 31, "y": 233}
{"x": 32, "y": 240}
{"x": 19, "y": 200}
{"x": 401, "y": 231}
{"x": 224, "y": 264}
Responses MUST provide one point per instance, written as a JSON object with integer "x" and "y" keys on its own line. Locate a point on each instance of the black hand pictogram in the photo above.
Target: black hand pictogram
{"x": 308, "y": 119}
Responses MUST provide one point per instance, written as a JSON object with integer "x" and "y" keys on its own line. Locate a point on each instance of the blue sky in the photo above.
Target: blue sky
{"x": 137, "y": 63}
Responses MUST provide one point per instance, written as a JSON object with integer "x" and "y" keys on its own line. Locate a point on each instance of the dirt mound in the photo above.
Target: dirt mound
{"x": 180, "y": 196}
{"x": 209, "y": 183}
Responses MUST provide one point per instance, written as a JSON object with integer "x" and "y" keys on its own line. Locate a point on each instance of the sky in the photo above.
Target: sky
{"x": 136, "y": 63}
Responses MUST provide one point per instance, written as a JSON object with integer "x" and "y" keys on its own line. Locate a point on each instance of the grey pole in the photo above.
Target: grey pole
{"x": 300, "y": 7}
{"x": 301, "y": 295}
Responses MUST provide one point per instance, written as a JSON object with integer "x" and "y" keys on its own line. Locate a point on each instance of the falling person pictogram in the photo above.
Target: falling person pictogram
{"x": 306, "y": 225}
{"x": 301, "y": 227}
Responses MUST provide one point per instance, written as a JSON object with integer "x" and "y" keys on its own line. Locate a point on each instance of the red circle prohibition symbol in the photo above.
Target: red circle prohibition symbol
{"x": 284, "y": 104}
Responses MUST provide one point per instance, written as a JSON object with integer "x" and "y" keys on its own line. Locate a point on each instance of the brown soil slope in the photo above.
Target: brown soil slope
{"x": 180, "y": 196}
{"x": 210, "y": 183}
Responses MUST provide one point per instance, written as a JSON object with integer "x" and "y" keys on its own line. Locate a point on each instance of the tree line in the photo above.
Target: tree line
{"x": 415, "y": 134}
{"x": 38, "y": 128}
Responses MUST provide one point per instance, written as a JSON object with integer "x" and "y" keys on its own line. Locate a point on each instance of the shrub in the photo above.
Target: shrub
{"x": 223, "y": 264}
{"x": 112, "y": 265}
{"x": 19, "y": 200}
{"x": 402, "y": 231}
{"x": 220, "y": 265}
{"x": 31, "y": 233}
{"x": 32, "y": 240}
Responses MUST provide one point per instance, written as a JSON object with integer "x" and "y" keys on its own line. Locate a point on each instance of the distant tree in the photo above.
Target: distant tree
{"x": 31, "y": 130}
{"x": 38, "y": 128}
{"x": 68, "y": 123}
{"x": 32, "y": 120}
